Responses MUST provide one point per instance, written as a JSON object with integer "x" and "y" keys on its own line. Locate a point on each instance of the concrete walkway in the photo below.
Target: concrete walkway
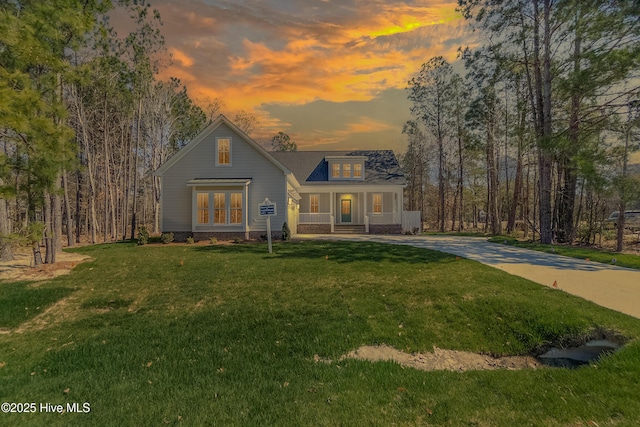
{"x": 613, "y": 287}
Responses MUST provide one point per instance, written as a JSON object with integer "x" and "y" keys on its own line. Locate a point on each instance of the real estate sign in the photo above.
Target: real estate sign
{"x": 268, "y": 209}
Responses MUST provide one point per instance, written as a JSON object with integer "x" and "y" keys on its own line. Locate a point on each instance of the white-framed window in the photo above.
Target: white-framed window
{"x": 377, "y": 203}
{"x": 335, "y": 170}
{"x": 203, "y": 208}
{"x": 346, "y": 170}
{"x": 235, "y": 216}
{"x": 357, "y": 170}
{"x": 219, "y": 208}
{"x": 314, "y": 203}
{"x": 223, "y": 152}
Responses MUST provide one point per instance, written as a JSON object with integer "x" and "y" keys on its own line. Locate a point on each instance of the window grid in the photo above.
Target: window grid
{"x": 346, "y": 170}
{"x": 357, "y": 170}
{"x": 219, "y": 209}
{"x": 236, "y": 208}
{"x": 377, "y": 203}
{"x": 335, "y": 170}
{"x": 315, "y": 204}
{"x": 203, "y": 208}
{"x": 224, "y": 152}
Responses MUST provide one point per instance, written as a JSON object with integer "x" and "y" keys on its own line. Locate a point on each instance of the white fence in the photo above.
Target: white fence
{"x": 411, "y": 221}
{"x": 314, "y": 218}
{"x": 382, "y": 218}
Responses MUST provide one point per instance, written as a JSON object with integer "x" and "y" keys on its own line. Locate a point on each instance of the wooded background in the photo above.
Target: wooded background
{"x": 534, "y": 130}
{"x": 538, "y": 131}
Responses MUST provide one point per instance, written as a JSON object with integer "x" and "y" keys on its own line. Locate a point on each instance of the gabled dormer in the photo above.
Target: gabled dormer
{"x": 350, "y": 168}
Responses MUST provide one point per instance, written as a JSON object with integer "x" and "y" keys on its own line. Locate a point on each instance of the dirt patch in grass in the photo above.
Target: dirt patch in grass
{"x": 21, "y": 267}
{"x": 442, "y": 360}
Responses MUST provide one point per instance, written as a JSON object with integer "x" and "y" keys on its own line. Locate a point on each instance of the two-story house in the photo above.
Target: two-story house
{"x": 215, "y": 184}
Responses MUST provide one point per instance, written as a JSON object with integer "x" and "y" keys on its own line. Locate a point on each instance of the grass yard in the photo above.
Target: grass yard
{"x": 605, "y": 257}
{"x": 232, "y": 336}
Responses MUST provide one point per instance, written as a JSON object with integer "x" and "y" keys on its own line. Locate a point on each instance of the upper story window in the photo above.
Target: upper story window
{"x": 346, "y": 167}
{"x": 223, "y": 152}
{"x": 357, "y": 171}
{"x": 335, "y": 170}
{"x": 346, "y": 170}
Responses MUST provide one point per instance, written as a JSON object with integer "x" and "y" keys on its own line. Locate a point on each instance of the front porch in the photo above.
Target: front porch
{"x": 370, "y": 212}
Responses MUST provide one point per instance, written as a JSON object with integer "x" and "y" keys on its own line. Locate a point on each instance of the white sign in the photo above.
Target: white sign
{"x": 268, "y": 208}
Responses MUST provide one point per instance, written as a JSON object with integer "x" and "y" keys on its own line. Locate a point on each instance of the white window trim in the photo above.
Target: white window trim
{"x": 311, "y": 196}
{"x": 373, "y": 204}
{"x": 361, "y": 177}
{"x": 217, "y": 153}
{"x": 227, "y": 207}
{"x": 344, "y": 170}
{"x": 342, "y": 176}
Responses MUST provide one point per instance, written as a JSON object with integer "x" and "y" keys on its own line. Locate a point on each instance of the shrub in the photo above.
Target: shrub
{"x": 190, "y": 241}
{"x": 166, "y": 238}
{"x": 213, "y": 240}
{"x": 143, "y": 235}
{"x": 286, "y": 233}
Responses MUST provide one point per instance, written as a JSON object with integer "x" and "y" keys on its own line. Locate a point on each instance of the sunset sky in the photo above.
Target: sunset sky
{"x": 330, "y": 73}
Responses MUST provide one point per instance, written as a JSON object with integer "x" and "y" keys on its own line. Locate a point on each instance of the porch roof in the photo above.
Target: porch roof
{"x": 218, "y": 181}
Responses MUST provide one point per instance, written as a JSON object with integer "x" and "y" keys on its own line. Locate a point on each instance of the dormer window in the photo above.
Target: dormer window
{"x": 335, "y": 170}
{"x": 357, "y": 171}
{"x": 346, "y": 167}
{"x": 346, "y": 170}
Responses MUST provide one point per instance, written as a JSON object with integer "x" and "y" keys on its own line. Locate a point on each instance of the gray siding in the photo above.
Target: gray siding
{"x": 267, "y": 180}
{"x": 324, "y": 200}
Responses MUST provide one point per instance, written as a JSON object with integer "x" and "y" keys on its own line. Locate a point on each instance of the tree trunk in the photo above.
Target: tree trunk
{"x": 6, "y": 252}
{"x": 56, "y": 219}
{"x": 546, "y": 159}
{"x": 79, "y": 205}
{"x": 49, "y": 255}
{"x": 517, "y": 192}
{"x": 67, "y": 210}
{"x": 135, "y": 172}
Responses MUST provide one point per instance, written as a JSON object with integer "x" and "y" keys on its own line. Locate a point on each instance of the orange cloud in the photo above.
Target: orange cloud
{"x": 251, "y": 56}
{"x": 181, "y": 57}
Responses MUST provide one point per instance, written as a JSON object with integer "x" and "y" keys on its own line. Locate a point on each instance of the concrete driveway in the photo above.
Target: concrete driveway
{"x": 613, "y": 287}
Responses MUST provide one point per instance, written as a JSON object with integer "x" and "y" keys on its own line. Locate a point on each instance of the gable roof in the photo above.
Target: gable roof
{"x": 220, "y": 120}
{"x": 312, "y": 167}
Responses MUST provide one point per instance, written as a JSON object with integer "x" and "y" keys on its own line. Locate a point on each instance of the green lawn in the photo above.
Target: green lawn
{"x": 227, "y": 335}
{"x": 611, "y": 258}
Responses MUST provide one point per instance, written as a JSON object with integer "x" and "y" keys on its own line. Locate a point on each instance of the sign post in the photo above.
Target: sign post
{"x": 268, "y": 209}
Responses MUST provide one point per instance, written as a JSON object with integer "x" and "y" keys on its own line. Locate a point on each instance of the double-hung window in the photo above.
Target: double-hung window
{"x": 219, "y": 208}
{"x": 236, "y": 208}
{"x": 357, "y": 170}
{"x": 203, "y": 208}
{"x": 377, "y": 203}
{"x": 314, "y": 203}
{"x": 346, "y": 170}
{"x": 335, "y": 170}
{"x": 223, "y": 152}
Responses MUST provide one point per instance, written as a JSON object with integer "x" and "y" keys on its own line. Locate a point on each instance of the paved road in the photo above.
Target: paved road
{"x": 609, "y": 286}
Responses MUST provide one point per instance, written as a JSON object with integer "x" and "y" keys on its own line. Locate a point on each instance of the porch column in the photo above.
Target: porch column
{"x": 332, "y": 204}
{"x": 245, "y": 213}
{"x": 366, "y": 213}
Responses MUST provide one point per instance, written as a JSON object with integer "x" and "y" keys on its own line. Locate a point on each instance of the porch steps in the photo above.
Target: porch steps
{"x": 348, "y": 229}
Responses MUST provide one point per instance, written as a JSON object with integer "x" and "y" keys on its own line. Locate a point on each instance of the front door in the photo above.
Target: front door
{"x": 346, "y": 210}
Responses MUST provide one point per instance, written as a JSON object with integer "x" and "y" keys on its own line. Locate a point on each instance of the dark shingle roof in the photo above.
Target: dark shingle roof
{"x": 310, "y": 167}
